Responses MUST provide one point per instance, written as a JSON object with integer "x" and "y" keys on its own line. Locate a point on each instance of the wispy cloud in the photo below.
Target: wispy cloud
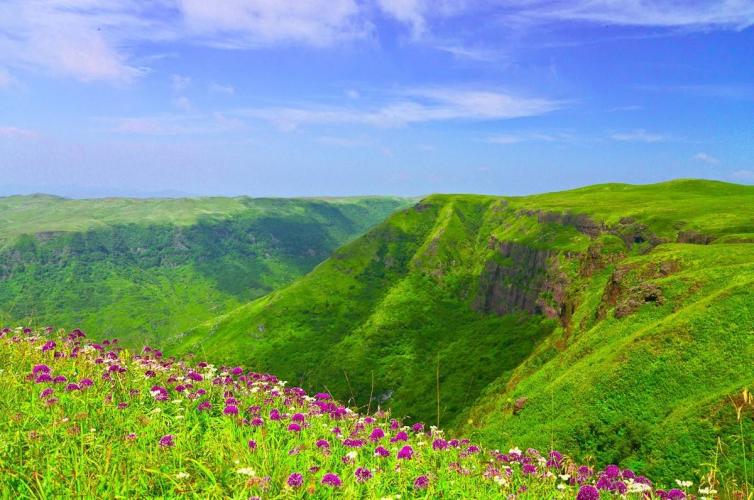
{"x": 701, "y": 14}
{"x": 516, "y": 138}
{"x": 173, "y": 124}
{"x": 414, "y": 106}
{"x": 705, "y": 158}
{"x": 8, "y": 132}
{"x": 743, "y": 175}
{"x": 638, "y": 135}
{"x": 97, "y": 39}
{"x": 6, "y": 80}
{"x": 180, "y": 83}
{"x": 244, "y": 24}
{"x": 216, "y": 88}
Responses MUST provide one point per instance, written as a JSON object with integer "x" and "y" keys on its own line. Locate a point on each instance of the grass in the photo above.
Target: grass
{"x": 142, "y": 270}
{"x": 82, "y": 419}
{"x": 584, "y": 308}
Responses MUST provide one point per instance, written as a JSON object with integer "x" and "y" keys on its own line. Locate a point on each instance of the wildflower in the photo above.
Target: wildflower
{"x": 294, "y": 427}
{"x": 528, "y": 469}
{"x": 421, "y": 482}
{"x": 406, "y": 453}
{"x": 362, "y": 474}
{"x": 40, "y": 369}
{"x": 418, "y": 427}
{"x": 48, "y": 346}
{"x": 401, "y": 436}
{"x": 275, "y": 414}
{"x": 612, "y": 471}
{"x": 60, "y": 379}
{"x": 295, "y": 480}
{"x": 231, "y": 410}
{"x": 257, "y": 422}
{"x": 322, "y": 396}
{"x": 246, "y": 471}
{"x": 376, "y": 434}
{"x": 353, "y": 443}
{"x": 236, "y": 371}
{"x": 381, "y": 451}
{"x": 131, "y": 436}
{"x": 122, "y": 405}
{"x": 46, "y": 393}
{"x": 588, "y": 492}
{"x": 439, "y": 444}
{"x": 298, "y": 417}
{"x": 86, "y": 382}
{"x": 323, "y": 443}
{"x": 167, "y": 441}
{"x": 72, "y": 387}
{"x": 683, "y": 484}
{"x": 332, "y": 480}
{"x": 204, "y": 405}
{"x": 182, "y": 475}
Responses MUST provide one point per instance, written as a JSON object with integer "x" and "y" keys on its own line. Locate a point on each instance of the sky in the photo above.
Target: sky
{"x": 355, "y": 97}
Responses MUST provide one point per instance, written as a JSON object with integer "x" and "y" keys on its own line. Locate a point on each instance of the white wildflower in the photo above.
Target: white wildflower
{"x": 183, "y": 475}
{"x": 246, "y": 471}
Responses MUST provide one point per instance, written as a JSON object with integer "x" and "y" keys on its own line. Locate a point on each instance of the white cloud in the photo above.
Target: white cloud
{"x": 638, "y": 135}
{"x": 517, "y": 138}
{"x": 216, "y": 88}
{"x": 414, "y": 106}
{"x": 180, "y": 83}
{"x": 6, "y": 80}
{"x": 409, "y": 12}
{"x": 705, "y": 158}
{"x": 183, "y": 103}
{"x": 743, "y": 175}
{"x": 173, "y": 124}
{"x": 84, "y": 39}
{"x": 250, "y": 23}
{"x": 7, "y": 132}
{"x": 730, "y": 14}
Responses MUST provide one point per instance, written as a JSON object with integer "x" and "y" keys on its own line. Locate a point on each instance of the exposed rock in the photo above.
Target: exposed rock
{"x": 519, "y": 405}
{"x": 694, "y": 237}
{"x": 515, "y": 286}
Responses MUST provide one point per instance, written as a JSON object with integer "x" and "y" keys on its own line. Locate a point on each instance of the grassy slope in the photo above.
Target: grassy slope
{"x": 381, "y": 315}
{"x": 143, "y": 269}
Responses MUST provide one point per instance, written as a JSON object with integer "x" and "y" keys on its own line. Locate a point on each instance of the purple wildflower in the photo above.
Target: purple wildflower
{"x": 376, "y": 434}
{"x": 381, "y": 451}
{"x": 421, "y": 483}
{"x": 323, "y": 443}
{"x": 401, "y": 436}
{"x": 204, "y": 405}
{"x": 167, "y": 441}
{"x": 362, "y": 474}
{"x": 294, "y": 427}
{"x": 295, "y": 480}
{"x": 332, "y": 480}
{"x": 40, "y": 369}
{"x": 231, "y": 410}
{"x": 588, "y": 492}
{"x": 252, "y": 444}
{"x": 406, "y": 453}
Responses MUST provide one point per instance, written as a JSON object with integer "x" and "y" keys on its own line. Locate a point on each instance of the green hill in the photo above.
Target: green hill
{"x": 142, "y": 269}
{"x": 614, "y": 322}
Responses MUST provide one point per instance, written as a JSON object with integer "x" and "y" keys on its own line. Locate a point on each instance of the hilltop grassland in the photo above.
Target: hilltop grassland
{"x": 612, "y": 321}
{"x": 86, "y": 419}
{"x": 144, "y": 269}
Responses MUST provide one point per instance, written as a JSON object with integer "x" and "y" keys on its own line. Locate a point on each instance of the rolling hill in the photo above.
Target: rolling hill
{"x": 142, "y": 269}
{"x": 615, "y": 322}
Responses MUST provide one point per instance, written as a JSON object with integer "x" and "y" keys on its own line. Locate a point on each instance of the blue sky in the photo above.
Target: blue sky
{"x": 346, "y": 97}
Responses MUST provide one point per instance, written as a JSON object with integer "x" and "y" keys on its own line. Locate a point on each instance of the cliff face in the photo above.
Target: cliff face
{"x": 517, "y": 283}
